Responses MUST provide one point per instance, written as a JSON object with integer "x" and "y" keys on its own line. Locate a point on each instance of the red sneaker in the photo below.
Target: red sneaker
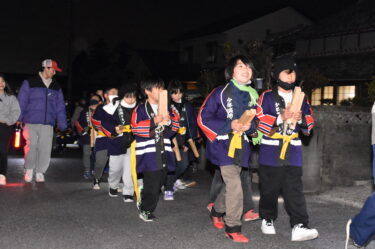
{"x": 209, "y": 206}
{"x": 237, "y": 237}
{"x": 218, "y": 222}
{"x": 250, "y": 215}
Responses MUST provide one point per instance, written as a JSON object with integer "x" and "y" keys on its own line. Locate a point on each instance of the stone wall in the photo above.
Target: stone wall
{"x": 339, "y": 151}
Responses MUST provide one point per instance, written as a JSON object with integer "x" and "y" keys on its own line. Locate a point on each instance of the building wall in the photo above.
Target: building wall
{"x": 338, "y": 44}
{"x": 254, "y": 30}
{"x": 340, "y": 149}
{"x": 343, "y": 66}
{"x": 199, "y": 46}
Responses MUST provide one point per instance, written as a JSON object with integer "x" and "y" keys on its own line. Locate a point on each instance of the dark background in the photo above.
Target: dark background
{"x": 32, "y": 30}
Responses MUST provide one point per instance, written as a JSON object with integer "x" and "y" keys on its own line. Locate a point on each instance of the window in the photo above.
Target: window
{"x": 328, "y": 92}
{"x": 328, "y": 96}
{"x": 212, "y": 48}
{"x": 316, "y": 96}
{"x": 345, "y": 92}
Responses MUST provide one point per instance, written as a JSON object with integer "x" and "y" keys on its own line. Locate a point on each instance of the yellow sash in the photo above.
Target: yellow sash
{"x": 100, "y": 133}
{"x": 286, "y": 140}
{"x": 133, "y": 159}
{"x": 126, "y": 128}
{"x": 235, "y": 143}
{"x": 181, "y": 130}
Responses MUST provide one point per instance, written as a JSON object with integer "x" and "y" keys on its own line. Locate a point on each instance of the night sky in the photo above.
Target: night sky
{"x": 34, "y": 30}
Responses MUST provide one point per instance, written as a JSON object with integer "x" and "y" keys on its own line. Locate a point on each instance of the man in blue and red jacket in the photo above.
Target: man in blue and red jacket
{"x": 42, "y": 104}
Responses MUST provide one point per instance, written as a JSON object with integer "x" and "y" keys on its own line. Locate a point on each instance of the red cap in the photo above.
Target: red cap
{"x": 51, "y": 63}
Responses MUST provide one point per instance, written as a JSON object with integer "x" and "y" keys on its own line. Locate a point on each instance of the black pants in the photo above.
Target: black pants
{"x": 152, "y": 182}
{"x": 4, "y": 143}
{"x": 284, "y": 180}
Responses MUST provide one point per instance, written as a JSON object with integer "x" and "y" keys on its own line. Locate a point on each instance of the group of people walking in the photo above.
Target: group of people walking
{"x": 140, "y": 142}
{"x": 136, "y": 141}
{"x": 280, "y": 152}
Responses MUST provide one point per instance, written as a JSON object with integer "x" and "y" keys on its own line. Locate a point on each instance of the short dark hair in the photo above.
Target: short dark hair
{"x": 148, "y": 84}
{"x": 232, "y": 63}
{"x": 95, "y": 95}
{"x": 107, "y": 89}
{"x": 175, "y": 86}
{"x": 129, "y": 89}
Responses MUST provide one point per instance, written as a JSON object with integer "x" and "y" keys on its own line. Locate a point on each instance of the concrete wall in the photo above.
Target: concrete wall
{"x": 339, "y": 151}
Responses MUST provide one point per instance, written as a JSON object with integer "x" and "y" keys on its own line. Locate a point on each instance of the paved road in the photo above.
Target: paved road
{"x": 66, "y": 213}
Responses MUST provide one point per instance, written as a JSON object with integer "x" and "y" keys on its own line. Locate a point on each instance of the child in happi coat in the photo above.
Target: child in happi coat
{"x": 102, "y": 140}
{"x": 84, "y": 128}
{"x": 188, "y": 131}
{"x": 155, "y": 157}
{"x": 228, "y": 143}
{"x": 117, "y": 126}
{"x": 280, "y": 152}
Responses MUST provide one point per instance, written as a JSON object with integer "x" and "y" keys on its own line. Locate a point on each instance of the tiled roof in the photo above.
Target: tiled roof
{"x": 356, "y": 18}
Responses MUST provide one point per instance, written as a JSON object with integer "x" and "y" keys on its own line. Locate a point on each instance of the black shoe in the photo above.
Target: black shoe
{"x": 112, "y": 192}
{"x": 152, "y": 216}
{"x": 96, "y": 185}
{"x": 128, "y": 198}
{"x": 146, "y": 216}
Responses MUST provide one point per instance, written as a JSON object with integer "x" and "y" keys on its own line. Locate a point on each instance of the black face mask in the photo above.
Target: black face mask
{"x": 93, "y": 102}
{"x": 286, "y": 86}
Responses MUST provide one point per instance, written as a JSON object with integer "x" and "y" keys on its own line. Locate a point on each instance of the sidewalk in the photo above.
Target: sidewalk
{"x": 353, "y": 196}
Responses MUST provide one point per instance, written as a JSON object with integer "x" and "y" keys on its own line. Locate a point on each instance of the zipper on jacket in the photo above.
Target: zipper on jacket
{"x": 45, "y": 112}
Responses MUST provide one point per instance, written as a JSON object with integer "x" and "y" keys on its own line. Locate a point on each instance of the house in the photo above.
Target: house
{"x": 340, "y": 47}
{"x": 203, "y": 49}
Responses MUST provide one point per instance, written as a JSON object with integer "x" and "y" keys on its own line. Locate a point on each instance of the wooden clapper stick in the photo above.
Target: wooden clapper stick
{"x": 295, "y": 106}
{"x": 247, "y": 116}
{"x": 163, "y": 110}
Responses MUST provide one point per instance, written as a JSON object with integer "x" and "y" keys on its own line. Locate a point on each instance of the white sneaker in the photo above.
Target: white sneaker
{"x": 352, "y": 244}
{"x": 39, "y": 177}
{"x": 179, "y": 184}
{"x": 3, "y": 180}
{"x": 347, "y": 233}
{"x": 96, "y": 185}
{"x": 28, "y": 177}
{"x": 168, "y": 196}
{"x": 267, "y": 227}
{"x": 302, "y": 232}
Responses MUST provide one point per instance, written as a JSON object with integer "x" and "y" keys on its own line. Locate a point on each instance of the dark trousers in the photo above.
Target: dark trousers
{"x": 4, "y": 143}
{"x": 287, "y": 181}
{"x": 169, "y": 181}
{"x": 152, "y": 182}
{"x": 217, "y": 184}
